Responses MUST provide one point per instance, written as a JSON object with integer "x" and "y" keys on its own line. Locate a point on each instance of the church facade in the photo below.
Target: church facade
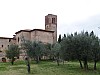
{"x": 48, "y": 35}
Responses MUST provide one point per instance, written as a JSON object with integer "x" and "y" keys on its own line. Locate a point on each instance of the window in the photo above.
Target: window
{"x": 47, "y": 27}
{"x": 8, "y": 46}
{"x": 53, "y": 20}
{"x": 18, "y": 39}
{"x": 9, "y": 40}
{"x": 2, "y": 45}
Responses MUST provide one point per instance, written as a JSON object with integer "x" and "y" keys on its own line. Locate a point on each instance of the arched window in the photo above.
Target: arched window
{"x": 47, "y": 26}
{"x": 8, "y": 46}
{"x": 2, "y": 45}
{"x": 53, "y": 20}
{"x": 9, "y": 40}
{"x": 18, "y": 39}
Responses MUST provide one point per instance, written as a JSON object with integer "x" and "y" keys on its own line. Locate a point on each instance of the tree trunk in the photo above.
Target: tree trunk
{"x": 12, "y": 61}
{"x": 63, "y": 62}
{"x": 58, "y": 59}
{"x": 28, "y": 64}
{"x": 28, "y": 67}
{"x": 85, "y": 64}
{"x": 58, "y": 62}
{"x": 81, "y": 66}
{"x": 95, "y": 65}
{"x": 37, "y": 59}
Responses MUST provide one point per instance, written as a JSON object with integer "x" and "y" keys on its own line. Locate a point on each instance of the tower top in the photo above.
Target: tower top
{"x": 50, "y": 19}
{"x": 51, "y": 15}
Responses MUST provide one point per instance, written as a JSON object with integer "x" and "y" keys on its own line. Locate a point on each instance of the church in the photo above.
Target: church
{"x": 47, "y": 35}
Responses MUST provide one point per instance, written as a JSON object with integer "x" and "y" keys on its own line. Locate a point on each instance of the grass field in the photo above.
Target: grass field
{"x": 47, "y": 68}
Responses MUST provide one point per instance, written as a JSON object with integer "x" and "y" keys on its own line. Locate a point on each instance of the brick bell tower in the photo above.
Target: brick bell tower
{"x": 51, "y": 25}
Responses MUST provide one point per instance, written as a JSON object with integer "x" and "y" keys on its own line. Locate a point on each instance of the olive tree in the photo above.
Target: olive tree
{"x": 13, "y": 52}
{"x": 34, "y": 49}
{"x": 56, "y": 51}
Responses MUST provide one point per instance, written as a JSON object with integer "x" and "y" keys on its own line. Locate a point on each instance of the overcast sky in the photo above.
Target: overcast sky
{"x": 73, "y": 15}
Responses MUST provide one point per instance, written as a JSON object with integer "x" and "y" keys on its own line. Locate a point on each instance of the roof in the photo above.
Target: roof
{"x": 33, "y": 30}
{"x": 41, "y": 30}
{"x": 5, "y": 38}
{"x": 26, "y": 30}
{"x": 51, "y": 15}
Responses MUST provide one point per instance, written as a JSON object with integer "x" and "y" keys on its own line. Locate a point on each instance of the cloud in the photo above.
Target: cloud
{"x": 89, "y": 24}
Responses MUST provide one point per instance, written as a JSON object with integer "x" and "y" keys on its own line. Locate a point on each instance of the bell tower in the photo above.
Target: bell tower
{"x": 51, "y": 25}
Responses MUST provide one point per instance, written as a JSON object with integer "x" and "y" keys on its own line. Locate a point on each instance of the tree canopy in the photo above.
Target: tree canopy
{"x": 13, "y": 52}
{"x": 82, "y": 46}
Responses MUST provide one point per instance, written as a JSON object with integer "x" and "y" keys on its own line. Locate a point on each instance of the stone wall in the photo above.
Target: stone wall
{"x": 43, "y": 36}
{"x": 4, "y": 44}
{"x": 22, "y": 35}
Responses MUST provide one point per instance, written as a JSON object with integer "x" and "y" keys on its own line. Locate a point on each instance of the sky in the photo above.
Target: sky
{"x": 72, "y": 15}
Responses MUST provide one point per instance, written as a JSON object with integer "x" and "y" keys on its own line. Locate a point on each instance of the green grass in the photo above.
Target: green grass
{"x": 47, "y": 68}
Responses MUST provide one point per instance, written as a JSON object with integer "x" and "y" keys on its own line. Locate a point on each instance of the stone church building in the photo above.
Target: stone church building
{"x": 49, "y": 35}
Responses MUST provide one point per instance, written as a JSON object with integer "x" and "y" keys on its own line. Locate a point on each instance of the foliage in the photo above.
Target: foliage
{"x": 13, "y": 52}
{"x": 95, "y": 48}
{"x": 48, "y": 51}
{"x": 56, "y": 51}
{"x": 82, "y": 46}
{"x": 59, "y": 39}
{"x": 33, "y": 49}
